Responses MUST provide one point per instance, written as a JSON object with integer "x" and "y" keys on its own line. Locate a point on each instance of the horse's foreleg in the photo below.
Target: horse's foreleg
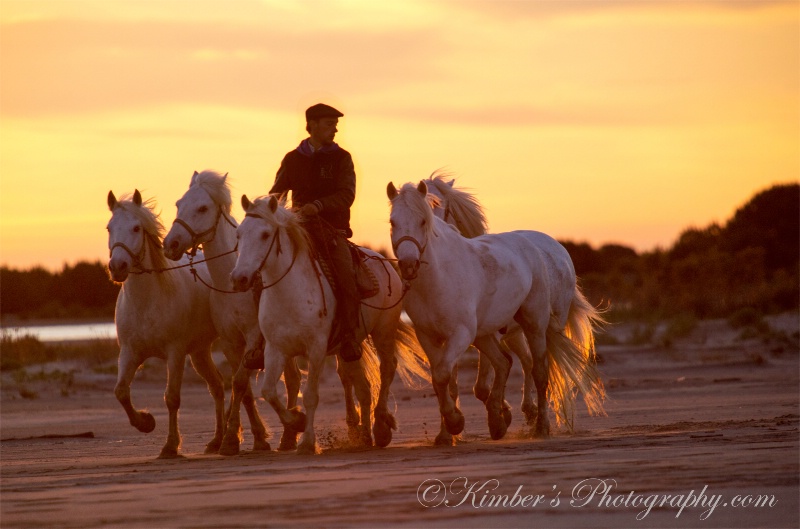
{"x": 308, "y": 441}
{"x": 519, "y": 346}
{"x": 443, "y": 362}
{"x": 126, "y": 369}
{"x": 351, "y": 413}
{"x": 204, "y": 365}
{"x": 291, "y": 378}
{"x": 496, "y": 405}
{"x": 291, "y": 418}
{"x": 172, "y": 396}
{"x": 240, "y": 384}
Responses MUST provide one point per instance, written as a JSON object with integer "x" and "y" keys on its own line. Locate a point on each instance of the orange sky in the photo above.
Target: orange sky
{"x": 599, "y": 121}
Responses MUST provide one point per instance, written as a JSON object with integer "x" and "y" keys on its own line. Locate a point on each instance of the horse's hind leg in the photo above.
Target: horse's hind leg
{"x": 204, "y": 365}
{"x": 355, "y": 372}
{"x": 519, "y": 346}
{"x": 175, "y": 366}
{"x": 384, "y": 420}
{"x": 141, "y": 420}
{"x": 482, "y": 382}
{"x": 496, "y": 405}
{"x": 351, "y": 413}
{"x": 241, "y": 379}
{"x": 535, "y": 333}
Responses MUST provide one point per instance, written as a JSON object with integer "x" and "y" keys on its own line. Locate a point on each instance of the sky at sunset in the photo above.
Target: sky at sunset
{"x": 591, "y": 120}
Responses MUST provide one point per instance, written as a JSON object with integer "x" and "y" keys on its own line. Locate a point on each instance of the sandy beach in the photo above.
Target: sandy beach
{"x": 703, "y": 433}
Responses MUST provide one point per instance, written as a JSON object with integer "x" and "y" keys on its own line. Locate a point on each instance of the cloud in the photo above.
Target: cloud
{"x": 73, "y": 66}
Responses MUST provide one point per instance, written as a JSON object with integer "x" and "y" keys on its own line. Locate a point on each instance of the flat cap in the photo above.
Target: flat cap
{"x": 320, "y": 111}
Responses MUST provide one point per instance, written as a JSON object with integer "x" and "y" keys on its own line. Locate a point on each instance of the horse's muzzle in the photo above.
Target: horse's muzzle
{"x": 119, "y": 269}
{"x": 408, "y": 269}
{"x": 172, "y": 248}
{"x": 241, "y": 282}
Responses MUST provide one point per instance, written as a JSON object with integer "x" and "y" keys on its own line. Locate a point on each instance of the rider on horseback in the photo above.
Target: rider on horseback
{"x": 322, "y": 179}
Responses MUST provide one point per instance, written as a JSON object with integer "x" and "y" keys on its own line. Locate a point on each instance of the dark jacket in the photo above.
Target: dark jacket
{"x": 325, "y": 177}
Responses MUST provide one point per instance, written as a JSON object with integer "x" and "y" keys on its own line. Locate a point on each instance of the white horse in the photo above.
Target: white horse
{"x": 463, "y": 291}
{"x": 204, "y": 219}
{"x": 460, "y": 208}
{"x": 162, "y": 314}
{"x": 297, "y": 312}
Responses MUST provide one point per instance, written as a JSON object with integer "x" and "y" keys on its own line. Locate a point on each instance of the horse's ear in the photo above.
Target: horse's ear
{"x": 273, "y": 203}
{"x": 246, "y": 203}
{"x": 194, "y": 177}
{"x": 137, "y": 198}
{"x": 451, "y": 182}
{"x": 391, "y": 191}
{"x": 423, "y": 187}
{"x": 112, "y": 201}
{"x": 224, "y": 177}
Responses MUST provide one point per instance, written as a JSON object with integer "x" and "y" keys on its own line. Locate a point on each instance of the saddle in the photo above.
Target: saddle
{"x": 366, "y": 280}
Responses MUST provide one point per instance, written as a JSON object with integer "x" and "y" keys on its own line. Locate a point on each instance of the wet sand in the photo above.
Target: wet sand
{"x": 708, "y": 424}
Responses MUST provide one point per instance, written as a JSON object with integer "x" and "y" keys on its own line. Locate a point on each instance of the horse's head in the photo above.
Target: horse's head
{"x": 256, "y": 234}
{"x": 411, "y": 220}
{"x": 127, "y": 233}
{"x": 199, "y": 212}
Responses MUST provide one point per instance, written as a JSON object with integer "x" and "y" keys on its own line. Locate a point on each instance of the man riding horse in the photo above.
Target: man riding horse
{"x": 322, "y": 179}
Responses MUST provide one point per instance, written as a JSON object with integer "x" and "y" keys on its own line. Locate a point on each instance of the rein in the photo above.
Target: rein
{"x": 196, "y": 242}
{"x": 278, "y": 251}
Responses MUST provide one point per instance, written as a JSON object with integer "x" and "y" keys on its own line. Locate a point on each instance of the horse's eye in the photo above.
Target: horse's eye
{"x": 137, "y": 229}
{"x": 202, "y": 209}
{"x": 424, "y": 221}
{"x": 264, "y": 236}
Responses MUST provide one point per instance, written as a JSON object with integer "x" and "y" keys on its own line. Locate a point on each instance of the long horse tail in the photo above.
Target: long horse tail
{"x": 412, "y": 363}
{"x": 371, "y": 365}
{"x": 573, "y": 361}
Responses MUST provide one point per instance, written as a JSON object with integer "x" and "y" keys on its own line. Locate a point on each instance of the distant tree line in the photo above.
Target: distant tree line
{"x": 753, "y": 261}
{"x": 80, "y": 291}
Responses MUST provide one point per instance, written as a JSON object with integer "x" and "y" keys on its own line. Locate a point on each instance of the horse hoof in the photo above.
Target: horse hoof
{"x": 288, "y": 440}
{"x": 169, "y": 453}
{"x": 213, "y": 447}
{"x": 497, "y": 425}
{"x": 455, "y": 422}
{"x": 530, "y": 416}
{"x": 230, "y": 447}
{"x": 481, "y": 393}
{"x": 297, "y": 420}
{"x": 507, "y": 413}
{"x": 307, "y": 449}
{"x": 261, "y": 445}
{"x": 383, "y": 430}
{"x": 444, "y": 439}
{"x": 146, "y": 423}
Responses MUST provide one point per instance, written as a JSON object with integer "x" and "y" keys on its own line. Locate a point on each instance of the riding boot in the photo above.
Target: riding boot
{"x": 348, "y": 302}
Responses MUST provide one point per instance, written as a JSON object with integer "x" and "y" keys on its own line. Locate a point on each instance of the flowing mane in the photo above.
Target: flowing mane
{"x": 154, "y": 228}
{"x": 461, "y": 207}
{"x": 217, "y": 187}
{"x": 286, "y": 219}
{"x": 421, "y": 206}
